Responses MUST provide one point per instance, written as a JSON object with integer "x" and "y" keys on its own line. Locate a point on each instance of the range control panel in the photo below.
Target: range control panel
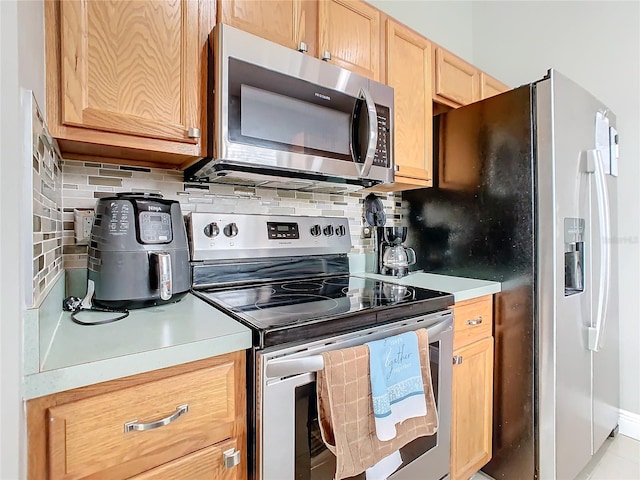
{"x": 228, "y": 236}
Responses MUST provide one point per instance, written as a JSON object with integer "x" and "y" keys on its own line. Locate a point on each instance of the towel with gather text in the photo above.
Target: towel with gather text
{"x": 396, "y": 382}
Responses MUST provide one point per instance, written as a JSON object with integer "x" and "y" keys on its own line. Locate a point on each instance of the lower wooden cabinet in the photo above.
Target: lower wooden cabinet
{"x": 206, "y": 464}
{"x": 189, "y": 418}
{"x": 472, "y": 407}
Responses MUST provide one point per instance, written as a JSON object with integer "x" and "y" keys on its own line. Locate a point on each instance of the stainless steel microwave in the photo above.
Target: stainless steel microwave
{"x": 278, "y": 117}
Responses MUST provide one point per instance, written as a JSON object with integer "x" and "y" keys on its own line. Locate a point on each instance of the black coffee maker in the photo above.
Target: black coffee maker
{"x": 394, "y": 258}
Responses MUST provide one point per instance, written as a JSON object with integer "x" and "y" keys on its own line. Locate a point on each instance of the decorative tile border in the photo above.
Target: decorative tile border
{"x": 46, "y": 206}
{"x": 85, "y": 182}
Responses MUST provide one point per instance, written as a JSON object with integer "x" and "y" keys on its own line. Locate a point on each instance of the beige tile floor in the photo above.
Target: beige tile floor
{"x": 618, "y": 459}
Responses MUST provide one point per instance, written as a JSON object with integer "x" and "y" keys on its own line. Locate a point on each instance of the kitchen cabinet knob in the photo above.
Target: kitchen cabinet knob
{"x": 303, "y": 47}
{"x": 193, "y": 132}
{"x": 231, "y": 458}
{"x": 476, "y": 321}
{"x": 326, "y": 55}
{"x": 457, "y": 359}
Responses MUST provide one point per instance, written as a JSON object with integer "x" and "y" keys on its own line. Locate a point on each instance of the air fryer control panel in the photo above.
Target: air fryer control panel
{"x": 155, "y": 227}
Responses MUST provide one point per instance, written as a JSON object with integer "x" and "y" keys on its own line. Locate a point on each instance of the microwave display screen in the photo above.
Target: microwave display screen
{"x": 285, "y": 120}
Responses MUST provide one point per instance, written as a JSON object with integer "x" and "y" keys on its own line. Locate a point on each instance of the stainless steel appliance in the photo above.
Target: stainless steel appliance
{"x": 138, "y": 252}
{"x": 287, "y": 278}
{"x": 393, "y": 257}
{"x": 526, "y": 195}
{"x": 279, "y": 116}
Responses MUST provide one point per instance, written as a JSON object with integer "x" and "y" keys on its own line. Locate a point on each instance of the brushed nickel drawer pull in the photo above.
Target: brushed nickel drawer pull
{"x": 231, "y": 457}
{"x": 134, "y": 425}
{"x": 477, "y": 321}
{"x": 457, "y": 359}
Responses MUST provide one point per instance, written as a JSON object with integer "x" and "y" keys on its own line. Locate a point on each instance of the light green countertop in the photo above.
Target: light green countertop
{"x": 60, "y": 355}
{"x": 72, "y": 355}
{"x": 461, "y": 288}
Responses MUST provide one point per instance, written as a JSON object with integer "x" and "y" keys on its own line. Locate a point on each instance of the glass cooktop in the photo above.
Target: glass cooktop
{"x": 285, "y": 311}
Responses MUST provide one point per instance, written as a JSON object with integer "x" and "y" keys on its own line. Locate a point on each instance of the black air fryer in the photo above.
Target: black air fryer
{"x": 138, "y": 253}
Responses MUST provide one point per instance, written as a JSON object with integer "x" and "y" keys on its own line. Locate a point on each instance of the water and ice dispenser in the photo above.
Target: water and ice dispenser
{"x": 573, "y": 256}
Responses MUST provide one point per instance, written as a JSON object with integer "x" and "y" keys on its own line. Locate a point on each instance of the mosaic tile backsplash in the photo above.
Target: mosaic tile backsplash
{"x": 84, "y": 182}
{"x": 46, "y": 208}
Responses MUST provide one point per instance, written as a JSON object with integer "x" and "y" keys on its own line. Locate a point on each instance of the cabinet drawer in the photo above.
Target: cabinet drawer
{"x": 205, "y": 464}
{"x": 472, "y": 320}
{"x": 91, "y": 437}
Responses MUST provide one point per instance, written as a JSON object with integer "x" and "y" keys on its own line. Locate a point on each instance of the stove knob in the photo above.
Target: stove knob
{"x": 341, "y": 231}
{"x": 315, "y": 231}
{"x": 328, "y": 230}
{"x": 212, "y": 230}
{"x": 231, "y": 230}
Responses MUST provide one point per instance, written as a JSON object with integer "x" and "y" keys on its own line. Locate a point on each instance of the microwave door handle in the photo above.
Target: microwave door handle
{"x": 372, "y": 134}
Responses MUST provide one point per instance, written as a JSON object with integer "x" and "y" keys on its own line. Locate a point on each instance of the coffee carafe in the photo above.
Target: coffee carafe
{"x": 393, "y": 257}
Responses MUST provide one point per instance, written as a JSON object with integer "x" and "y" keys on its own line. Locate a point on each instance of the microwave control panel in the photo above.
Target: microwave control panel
{"x": 381, "y": 157}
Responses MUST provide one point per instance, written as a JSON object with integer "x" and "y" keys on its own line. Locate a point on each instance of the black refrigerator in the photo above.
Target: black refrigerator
{"x": 525, "y": 194}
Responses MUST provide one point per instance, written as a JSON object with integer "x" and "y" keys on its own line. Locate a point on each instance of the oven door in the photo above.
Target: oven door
{"x": 288, "y": 441}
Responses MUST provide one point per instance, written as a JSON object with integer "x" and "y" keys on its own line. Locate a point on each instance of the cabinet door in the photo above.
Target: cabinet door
{"x": 205, "y": 464}
{"x": 456, "y": 80}
{"x": 131, "y": 67}
{"x": 489, "y": 86}
{"x": 119, "y": 434}
{"x": 471, "y": 413}
{"x": 409, "y": 73}
{"x": 349, "y": 30}
{"x": 287, "y": 22}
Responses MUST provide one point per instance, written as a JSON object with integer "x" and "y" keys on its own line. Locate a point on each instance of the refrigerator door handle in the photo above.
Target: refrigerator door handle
{"x": 594, "y": 165}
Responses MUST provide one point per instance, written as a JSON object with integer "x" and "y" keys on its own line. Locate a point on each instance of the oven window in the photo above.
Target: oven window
{"x": 313, "y": 461}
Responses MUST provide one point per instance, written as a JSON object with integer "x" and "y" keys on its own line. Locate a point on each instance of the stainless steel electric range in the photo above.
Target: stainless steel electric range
{"x": 287, "y": 278}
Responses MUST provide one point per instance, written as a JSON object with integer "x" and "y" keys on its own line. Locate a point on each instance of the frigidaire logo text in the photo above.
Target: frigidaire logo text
{"x": 324, "y": 97}
{"x": 153, "y": 209}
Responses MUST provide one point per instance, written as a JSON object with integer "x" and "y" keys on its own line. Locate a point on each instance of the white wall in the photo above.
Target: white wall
{"x": 448, "y": 23}
{"x": 11, "y": 418}
{"x": 22, "y": 60}
{"x": 596, "y": 44}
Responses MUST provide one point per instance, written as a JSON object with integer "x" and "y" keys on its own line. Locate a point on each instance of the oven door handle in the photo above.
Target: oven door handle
{"x": 287, "y": 367}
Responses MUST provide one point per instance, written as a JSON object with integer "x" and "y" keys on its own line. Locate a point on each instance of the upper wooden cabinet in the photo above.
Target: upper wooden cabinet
{"x": 291, "y": 23}
{"x": 349, "y": 36}
{"x": 457, "y": 82}
{"x": 408, "y": 70}
{"x": 489, "y": 86}
{"x": 127, "y": 75}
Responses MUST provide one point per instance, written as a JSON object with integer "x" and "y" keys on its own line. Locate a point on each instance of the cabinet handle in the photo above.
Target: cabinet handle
{"x": 134, "y": 425}
{"x": 457, "y": 359}
{"x": 193, "y": 132}
{"x": 303, "y": 47}
{"x": 231, "y": 457}
{"x": 326, "y": 55}
{"x": 477, "y": 321}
